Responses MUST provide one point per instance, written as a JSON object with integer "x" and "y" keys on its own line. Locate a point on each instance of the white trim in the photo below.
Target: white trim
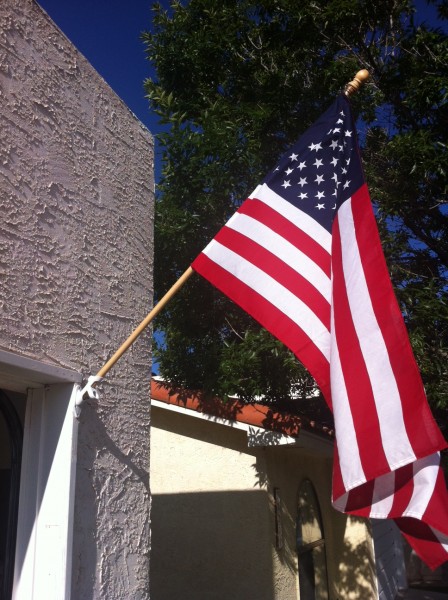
{"x": 43, "y": 563}
{"x": 257, "y": 436}
{"x": 18, "y": 373}
{"x": 200, "y": 415}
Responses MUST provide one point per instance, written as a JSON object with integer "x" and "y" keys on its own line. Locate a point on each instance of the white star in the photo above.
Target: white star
{"x": 277, "y": 169}
{"x": 293, "y": 156}
{"x": 316, "y": 147}
{"x": 334, "y": 144}
{"x": 302, "y": 165}
{"x": 335, "y": 177}
{"x": 335, "y": 193}
{"x": 346, "y": 184}
{"x": 319, "y": 179}
{"x": 317, "y": 163}
{"x": 320, "y": 206}
{"x": 344, "y": 170}
{"x": 302, "y": 181}
{"x": 288, "y": 171}
{"x": 348, "y": 161}
{"x": 339, "y": 121}
{"x": 320, "y": 195}
{"x": 302, "y": 196}
{"x": 348, "y": 133}
{"x": 334, "y": 161}
{"x": 342, "y": 113}
{"x": 337, "y": 130}
{"x": 286, "y": 184}
{"x": 334, "y": 207}
{"x": 341, "y": 148}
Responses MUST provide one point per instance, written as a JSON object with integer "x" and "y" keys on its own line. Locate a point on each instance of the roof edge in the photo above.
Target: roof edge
{"x": 257, "y": 415}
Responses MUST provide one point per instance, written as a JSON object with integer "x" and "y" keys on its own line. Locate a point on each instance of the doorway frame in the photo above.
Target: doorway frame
{"x": 43, "y": 556}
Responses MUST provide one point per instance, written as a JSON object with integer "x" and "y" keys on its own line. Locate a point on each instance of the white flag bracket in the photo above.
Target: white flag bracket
{"x": 87, "y": 391}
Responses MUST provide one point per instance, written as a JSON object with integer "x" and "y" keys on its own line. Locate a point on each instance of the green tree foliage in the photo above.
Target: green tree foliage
{"x": 237, "y": 82}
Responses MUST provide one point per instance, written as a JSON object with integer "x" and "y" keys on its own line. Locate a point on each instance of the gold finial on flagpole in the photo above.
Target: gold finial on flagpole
{"x": 357, "y": 82}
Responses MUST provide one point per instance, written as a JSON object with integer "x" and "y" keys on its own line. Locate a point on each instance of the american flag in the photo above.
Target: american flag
{"x": 302, "y": 255}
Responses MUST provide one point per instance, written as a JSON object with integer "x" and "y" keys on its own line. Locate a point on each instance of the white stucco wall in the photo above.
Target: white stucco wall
{"x": 76, "y": 205}
{"x": 213, "y": 518}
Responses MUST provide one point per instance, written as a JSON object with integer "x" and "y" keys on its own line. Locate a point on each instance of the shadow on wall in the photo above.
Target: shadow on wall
{"x": 211, "y": 546}
{"x": 355, "y": 562}
{"x": 95, "y": 446}
{"x": 219, "y": 545}
{"x": 334, "y": 561}
{"x": 349, "y": 568}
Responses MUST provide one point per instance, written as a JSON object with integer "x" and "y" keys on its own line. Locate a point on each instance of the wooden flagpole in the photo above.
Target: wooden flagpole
{"x": 350, "y": 88}
{"x": 89, "y": 389}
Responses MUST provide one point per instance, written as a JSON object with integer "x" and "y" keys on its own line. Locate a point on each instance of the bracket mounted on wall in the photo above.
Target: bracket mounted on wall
{"x": 87, "y": 391}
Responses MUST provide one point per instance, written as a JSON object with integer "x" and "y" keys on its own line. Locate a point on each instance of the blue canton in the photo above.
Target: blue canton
{"x": 323, "y": 168}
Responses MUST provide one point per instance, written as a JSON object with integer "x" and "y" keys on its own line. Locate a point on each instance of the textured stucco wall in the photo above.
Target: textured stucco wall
{"x": 213, "y": 517}
{"x": 76, "y": 205}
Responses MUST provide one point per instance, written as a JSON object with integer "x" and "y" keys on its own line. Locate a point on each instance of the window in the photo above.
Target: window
{"x": 310, "y": 546}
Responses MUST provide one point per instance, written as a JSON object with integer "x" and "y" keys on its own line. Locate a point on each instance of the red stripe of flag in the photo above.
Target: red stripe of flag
{"x": 356, "y": 377}
{"x": 436, "y": 513}
{"x": 421, "y": 427}
{"x": 404, "y": 486}
{"x": 277, "y": 269}
{"x": 423, "y": 540}
{"x": 359, "y": 499}
{"x": 290, "y": 232}
{"x": 268, "y": 315}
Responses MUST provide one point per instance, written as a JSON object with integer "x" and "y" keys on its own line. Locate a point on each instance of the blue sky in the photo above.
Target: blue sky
{"x": 108, "y": 33}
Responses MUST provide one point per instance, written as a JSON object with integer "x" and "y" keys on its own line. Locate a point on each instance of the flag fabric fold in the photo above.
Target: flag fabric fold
{"x": 303, "y": 256}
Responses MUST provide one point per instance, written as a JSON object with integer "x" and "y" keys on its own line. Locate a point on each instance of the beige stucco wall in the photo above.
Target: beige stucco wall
{"x": 76, "y": 205}
{"x": 212, "y": 534}
{"x": 349, "y": 550}
{"x": 213, "y": 518}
